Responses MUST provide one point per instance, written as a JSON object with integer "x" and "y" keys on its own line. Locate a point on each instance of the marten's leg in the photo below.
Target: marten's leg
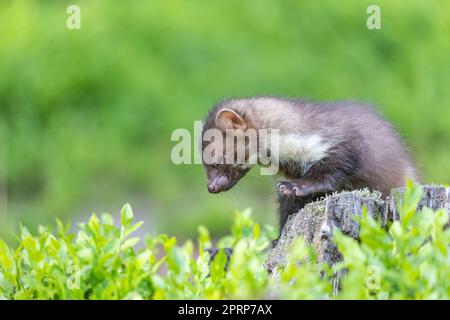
{"x": 305, "y": 187}
{"x": 320, "y": 180}
{"x": 330, "y": 174}
{"x": 294, "y": 194}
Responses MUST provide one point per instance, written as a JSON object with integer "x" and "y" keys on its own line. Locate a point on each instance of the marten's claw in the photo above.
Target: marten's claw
{"x": 281, "y": 188}
{"x": 285, "y": 188}
{"x": 299, "y": 192}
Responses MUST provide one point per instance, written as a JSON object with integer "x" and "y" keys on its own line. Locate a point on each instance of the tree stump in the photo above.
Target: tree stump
{"x": 315, "y": 222}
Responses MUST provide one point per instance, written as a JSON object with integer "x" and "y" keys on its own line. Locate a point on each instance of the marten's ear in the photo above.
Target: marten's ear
{"x": 230, "y": 119}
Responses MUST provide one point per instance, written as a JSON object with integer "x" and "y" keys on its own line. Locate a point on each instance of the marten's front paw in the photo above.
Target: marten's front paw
{"x": 287, "y": 188}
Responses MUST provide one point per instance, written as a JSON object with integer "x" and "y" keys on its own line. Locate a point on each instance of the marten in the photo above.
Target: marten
{"x": 323, "y": 148}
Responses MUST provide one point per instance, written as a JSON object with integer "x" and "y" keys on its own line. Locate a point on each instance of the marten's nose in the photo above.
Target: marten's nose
{"x": 212, "y": 188}
{"x": 217, "y": 184}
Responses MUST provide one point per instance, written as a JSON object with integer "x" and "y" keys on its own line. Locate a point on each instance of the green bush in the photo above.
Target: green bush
{"x": 408, "y": 260}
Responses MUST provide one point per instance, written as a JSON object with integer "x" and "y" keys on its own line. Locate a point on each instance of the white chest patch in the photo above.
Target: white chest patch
{"x": 307, "y": 149}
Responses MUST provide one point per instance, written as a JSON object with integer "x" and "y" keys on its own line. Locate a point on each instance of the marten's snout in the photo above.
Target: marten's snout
{"x": 218, "y": 184}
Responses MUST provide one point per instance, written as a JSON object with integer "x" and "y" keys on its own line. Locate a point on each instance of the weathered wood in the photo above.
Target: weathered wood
{"x": 433, "y": 196}
{"x": 315, "y": 223}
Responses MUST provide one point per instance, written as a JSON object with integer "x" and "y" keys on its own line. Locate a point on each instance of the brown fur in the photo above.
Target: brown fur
{"x": 364, "y": 150}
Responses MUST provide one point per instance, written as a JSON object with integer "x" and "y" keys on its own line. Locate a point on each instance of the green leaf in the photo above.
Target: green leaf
{"x": 129, "y": 243}
{"x": 6, "y": 260}
{"x": 126, "y": 215}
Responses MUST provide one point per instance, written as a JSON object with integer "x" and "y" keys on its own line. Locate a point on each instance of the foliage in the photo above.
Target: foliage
{"x": 100, "y": 261}
{"x": 408, "y": 261}
{"x": 86, "y": 115}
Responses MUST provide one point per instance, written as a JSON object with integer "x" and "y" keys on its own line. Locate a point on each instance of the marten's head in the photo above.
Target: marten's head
{"x": 225, "y": 148}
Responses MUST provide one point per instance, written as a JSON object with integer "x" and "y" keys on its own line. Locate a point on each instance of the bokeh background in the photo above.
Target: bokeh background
{"x": 86, "y": 115}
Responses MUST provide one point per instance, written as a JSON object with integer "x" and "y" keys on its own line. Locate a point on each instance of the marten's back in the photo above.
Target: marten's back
{"x": 358, "y": 131}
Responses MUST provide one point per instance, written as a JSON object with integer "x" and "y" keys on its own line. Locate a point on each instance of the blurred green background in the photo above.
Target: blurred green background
{"x": 86, "y": 115}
